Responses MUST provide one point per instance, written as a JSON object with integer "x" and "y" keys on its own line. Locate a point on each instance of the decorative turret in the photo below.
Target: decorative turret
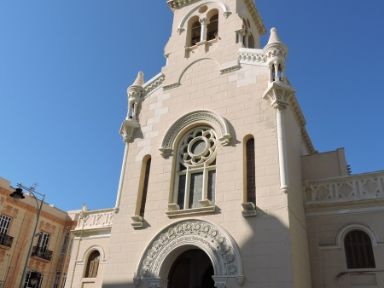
{"x": 135, "y": 94}
{"x": 279, "y": 93}
{"x": 276, "y": 52}
{"x": 279, "y": 89}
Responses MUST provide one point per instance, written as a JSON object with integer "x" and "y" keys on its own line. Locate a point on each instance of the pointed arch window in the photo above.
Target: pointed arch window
{"x": 196, "y": 169}
{"x": 213, "y": 26}
{"x": 92, "y": 266}
{"x": 358, "y": 250}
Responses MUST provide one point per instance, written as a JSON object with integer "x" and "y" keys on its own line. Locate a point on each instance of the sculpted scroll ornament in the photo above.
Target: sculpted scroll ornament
{"x": 215, "y": 242}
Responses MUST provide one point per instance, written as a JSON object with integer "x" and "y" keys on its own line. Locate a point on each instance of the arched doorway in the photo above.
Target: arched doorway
{"x": 191, "y": 269}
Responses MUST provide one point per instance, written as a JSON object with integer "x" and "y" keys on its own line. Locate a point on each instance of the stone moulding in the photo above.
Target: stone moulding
{"x": 167, "y": 245}
{"x": 153, "y": 83}
{"x": 199, "y": 117}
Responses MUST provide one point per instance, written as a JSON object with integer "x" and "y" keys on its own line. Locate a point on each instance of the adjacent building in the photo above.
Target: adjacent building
{"x": 49, "y": 259}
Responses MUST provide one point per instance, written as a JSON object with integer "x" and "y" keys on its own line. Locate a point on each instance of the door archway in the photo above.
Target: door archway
{"x": 180, "y": 237}
{"x": 191, "y": 269}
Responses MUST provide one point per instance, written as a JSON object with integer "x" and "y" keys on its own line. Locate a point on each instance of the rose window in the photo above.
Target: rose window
{"x": 198, "y": 147}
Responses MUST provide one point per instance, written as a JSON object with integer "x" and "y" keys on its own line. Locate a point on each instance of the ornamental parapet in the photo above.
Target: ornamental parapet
{"x": 252, "y": 56}
{"x": 362, "y": 187}
{"x": 95, "y": 220}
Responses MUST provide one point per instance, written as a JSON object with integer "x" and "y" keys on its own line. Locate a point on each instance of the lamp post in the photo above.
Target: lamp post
{"x": 18, "y": 194}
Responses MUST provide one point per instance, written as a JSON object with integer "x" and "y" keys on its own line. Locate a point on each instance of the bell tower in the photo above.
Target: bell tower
{"x": 210, "y": 29}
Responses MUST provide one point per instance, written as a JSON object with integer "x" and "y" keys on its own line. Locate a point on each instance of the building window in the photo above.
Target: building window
{"x": 195, "y": 31}
{"x": 196, "y": 169}
{"x": 43, "y": 241}
{"x": 144, "y": 190}
{"x": 250, "y": 175}
{"x": 5, "y": 221}
{"x": 358, "y": 250}
{"x": 92, "y": 265}
{"x": 213, "y": 26}
{"x": 33, "y": 280}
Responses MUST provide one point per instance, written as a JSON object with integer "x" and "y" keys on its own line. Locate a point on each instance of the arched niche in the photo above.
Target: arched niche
{"x": 191, "y": 119}
{"x": 219, "y": 3}
{"x": 177, "y": 238}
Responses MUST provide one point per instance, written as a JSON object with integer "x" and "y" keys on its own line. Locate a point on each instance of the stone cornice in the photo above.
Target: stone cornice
{"x": 300, "y": 118}
{"x": 255, "y": 16}
{"x": 177, "y": 4}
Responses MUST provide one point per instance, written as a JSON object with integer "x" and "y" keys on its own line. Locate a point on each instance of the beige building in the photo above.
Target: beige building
{"x": 221, "y": 185}
{"x": 49, "y": 256}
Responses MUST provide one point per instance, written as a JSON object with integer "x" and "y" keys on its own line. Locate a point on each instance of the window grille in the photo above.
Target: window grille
{"x": 358, "y": 250}
{"x": 92, "y": 265}
{"x": 251, "y": 182}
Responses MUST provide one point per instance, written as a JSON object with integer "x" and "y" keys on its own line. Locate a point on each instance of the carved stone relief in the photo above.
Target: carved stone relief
{"x": 218, "y": 245}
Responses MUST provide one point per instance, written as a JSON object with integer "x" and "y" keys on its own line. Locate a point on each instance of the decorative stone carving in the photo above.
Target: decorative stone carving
{"x": 128, "y": 128}
{"x": 177, "y": 4}
{"x": 218, "y": 245}
{"x": 197, "y": 117}
{"x": 252, "y": 56}
{"x": 279, "y": 94}
{"x": 346, "y": 189}
{"x": 95, "y": 220}
{"x": 154, "y": 83}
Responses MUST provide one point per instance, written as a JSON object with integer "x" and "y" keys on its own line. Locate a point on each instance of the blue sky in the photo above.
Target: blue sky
{"x": 65, "y": 67}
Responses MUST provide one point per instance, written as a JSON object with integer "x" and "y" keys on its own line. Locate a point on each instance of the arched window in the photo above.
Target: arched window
{"x": 213, "y": 26}
{"x": 144, "y": 188}
{"x": 195, "y": 31}
{"x": 196, "y": 169}
{"x": 358, "y": 250}
{"x": 250, "y": 174}
{"x": 92, "y": 265}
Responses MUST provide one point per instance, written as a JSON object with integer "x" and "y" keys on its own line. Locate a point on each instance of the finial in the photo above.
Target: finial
{"x": 139, "y": 79}
{"x": 274, "y": 37}
{"x": 84, "y": 208}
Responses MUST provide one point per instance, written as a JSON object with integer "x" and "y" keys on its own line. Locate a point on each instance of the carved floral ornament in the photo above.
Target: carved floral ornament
{"x": 215, "y": 242}
{"x": 201, "y": 117}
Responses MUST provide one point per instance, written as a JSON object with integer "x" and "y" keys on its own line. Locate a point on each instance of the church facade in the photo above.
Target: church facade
{"x": 221, "y": 185}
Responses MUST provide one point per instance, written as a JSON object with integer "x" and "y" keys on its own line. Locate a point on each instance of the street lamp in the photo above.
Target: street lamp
{"x": 18, "y": 194}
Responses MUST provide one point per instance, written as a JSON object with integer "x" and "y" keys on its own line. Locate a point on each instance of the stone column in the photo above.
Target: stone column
{"x": 203, "y": 34}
